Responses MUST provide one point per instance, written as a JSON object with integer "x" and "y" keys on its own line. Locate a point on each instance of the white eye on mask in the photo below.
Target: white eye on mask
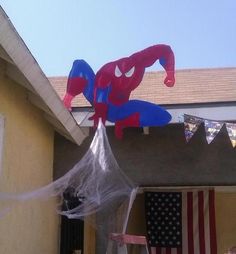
{"x": 129, "y": 73}
{"x": 118, "y": 73}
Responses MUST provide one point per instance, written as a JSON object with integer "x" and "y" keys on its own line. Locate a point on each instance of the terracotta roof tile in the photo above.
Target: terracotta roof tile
{"x": 192, "y": 86}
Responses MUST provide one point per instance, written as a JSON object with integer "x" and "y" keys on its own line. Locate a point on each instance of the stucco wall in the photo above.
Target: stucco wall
{"x": 163, "y": 157}
{"x": 225, "y": 220}
{"x": 27, "y": 164}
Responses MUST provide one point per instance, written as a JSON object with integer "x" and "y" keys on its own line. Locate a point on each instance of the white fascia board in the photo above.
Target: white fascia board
{"x": 211, "y": 112}
{"x": 221, "y": 112}
{"x": 25, "y": 62}
{"x": 5, "y": 56}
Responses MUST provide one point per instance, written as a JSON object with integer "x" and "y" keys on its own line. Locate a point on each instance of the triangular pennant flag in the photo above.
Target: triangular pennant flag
{"x": 212, "y": 128}
{"x": 191, "y": 124}
{"x": 231, "y": 128}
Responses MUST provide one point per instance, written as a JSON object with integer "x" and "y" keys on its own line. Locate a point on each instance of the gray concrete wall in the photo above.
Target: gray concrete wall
{"x": 161, "y": 158}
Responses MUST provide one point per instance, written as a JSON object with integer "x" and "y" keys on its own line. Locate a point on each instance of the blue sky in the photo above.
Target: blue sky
{"x": 202, "y": 33}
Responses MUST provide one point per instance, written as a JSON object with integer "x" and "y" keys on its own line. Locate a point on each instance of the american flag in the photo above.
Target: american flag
{"x": 181, "y": 222}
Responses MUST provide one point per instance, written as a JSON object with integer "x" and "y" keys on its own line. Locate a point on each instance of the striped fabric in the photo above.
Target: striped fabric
{"x": 181, "y": 222}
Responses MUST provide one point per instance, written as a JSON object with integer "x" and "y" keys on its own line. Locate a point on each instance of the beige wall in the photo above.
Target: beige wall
{"x": 225, "y": 205}
{"x": 89, "y": 238}
{"x": 225, "y": 220}
{"x": 162, "y": 158}
{"x": 27, "y": 164}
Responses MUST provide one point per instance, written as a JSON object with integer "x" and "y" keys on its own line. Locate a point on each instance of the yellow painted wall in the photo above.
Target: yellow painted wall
{"x": 225, "y": 206}
{"x": 225, "y": 220}
{"x": 30, "y": 228}
{"x": 89, "y": 238}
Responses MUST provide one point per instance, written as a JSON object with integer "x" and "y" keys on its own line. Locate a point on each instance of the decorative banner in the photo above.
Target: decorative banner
{"x": 191, "y": 124}
{"x": 212, "y": 128}
{"x": 231, "y": 128}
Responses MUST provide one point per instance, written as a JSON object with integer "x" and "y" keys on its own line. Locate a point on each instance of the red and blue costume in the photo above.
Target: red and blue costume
{"x": 109, "y": 90}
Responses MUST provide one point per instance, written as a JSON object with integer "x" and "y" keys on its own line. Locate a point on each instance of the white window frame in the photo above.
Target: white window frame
{"x": 2, "y": 126}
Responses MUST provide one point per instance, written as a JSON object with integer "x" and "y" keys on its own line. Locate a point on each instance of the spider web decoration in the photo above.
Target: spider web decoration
{"x": 96, "y": 182}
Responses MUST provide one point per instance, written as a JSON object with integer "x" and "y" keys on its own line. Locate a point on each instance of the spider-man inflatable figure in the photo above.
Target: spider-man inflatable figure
{"x": 109, "y": 90}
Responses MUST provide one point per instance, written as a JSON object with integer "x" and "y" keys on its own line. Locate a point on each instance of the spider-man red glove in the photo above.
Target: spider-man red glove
{"x": 75, "y": 86}
{"x": 100, "y": 112}
{"x": 170, "y": 79}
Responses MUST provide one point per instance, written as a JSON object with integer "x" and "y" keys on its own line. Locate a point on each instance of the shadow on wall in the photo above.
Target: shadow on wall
{"x": 162, "y": 158}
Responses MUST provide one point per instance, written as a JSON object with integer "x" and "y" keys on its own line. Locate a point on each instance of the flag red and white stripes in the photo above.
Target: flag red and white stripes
{"x": 196, "y": 216}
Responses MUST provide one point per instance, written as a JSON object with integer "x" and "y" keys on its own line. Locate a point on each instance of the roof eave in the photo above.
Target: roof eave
{"x": 20, "y": 55}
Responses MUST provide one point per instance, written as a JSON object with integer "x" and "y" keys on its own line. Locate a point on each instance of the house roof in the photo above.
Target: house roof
{"x": 192, "y": 86}
{"x": 21, "y": 67}
{"x": 207, "y": 93}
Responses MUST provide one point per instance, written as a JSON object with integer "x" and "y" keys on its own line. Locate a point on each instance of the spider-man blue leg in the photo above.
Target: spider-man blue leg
{"x": 80, "y": 80}
{"x": 137, "y": 113}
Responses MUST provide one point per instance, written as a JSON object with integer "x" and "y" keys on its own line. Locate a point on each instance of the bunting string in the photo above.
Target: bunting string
{"x": 212, "y": 128}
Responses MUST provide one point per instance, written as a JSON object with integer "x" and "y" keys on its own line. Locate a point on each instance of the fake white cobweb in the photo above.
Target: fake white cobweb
{"x": 94, "y": 188}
